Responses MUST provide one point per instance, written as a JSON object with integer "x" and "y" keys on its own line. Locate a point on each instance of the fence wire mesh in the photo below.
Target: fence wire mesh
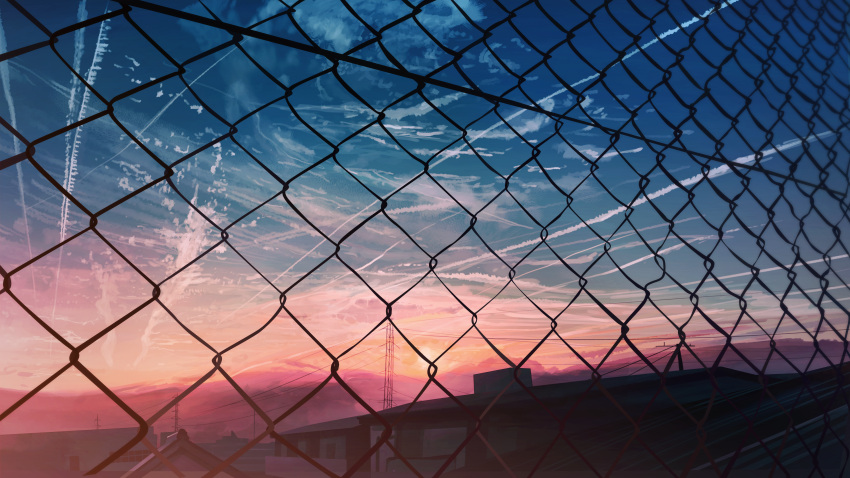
{"x": 633, "y": 189}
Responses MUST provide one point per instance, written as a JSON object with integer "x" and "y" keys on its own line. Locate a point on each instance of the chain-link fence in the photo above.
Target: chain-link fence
{"x": 640, "y": 205}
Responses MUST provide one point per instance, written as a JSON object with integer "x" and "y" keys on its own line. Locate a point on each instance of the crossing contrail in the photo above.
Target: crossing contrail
{"x": 680, "y": 27}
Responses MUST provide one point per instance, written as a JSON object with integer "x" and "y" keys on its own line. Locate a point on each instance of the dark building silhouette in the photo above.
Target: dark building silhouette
{"x": 74, "y": 452}
{"x": 180, "y": 456}
{"x": 692, "y": 422}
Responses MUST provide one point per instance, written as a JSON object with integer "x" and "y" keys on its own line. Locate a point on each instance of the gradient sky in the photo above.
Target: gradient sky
{"x": 622, "y": 234}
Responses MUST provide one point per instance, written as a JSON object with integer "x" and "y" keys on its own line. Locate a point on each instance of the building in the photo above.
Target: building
{"x": 697, "y": 421}
{"x": 251, "y": 461}
{"x": 180, "y": 456}
{"x": 337, "y": 445}
{"x": 68, "y": 452}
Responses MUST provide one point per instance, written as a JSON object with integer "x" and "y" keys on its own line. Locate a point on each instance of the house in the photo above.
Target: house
{"x": 179, "y": 456}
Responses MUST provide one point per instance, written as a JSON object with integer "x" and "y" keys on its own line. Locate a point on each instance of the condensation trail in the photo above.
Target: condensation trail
{"x": 646, "y": 45}
{"x": 594, "y": 76}
{"x": 72, "y": 146}
{"x": 713, "y": 173}
{"x": 7, "y": 93}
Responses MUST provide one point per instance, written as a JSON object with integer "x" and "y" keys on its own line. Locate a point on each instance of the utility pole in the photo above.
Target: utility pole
{"x": 176, "y": 417}
{"x": 677, "y": 353}
{"x": 97, "y": 422}
{"x": 389, "y": 365}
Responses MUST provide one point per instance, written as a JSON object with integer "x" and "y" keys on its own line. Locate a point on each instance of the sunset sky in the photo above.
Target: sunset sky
{"x": 777, "y": 268}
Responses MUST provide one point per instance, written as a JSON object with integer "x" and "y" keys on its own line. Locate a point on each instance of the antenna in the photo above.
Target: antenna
{"x": 389, "y": 365}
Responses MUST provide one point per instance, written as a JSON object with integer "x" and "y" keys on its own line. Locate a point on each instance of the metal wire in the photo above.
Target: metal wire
{"x": 785, "y": 50}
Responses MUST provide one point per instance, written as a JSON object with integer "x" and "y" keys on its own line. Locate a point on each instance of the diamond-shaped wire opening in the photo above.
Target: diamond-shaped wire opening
{"x": 317, "y": 306}
{"x": 471, "y": 272}
{"x": 333, "y": 216}
{"x": 546, "y": 281}
{"x": 346, "y": 117}
{"x": 103, "y": 171}
{"x": 158, "y": 247}
{"x": 83, "y": 287}
{"x": 278, "y": 243}
{"x": 232, "y": 85}
{"x": 512, "y": 323}
{"x": 330, "y": 25}
{"x": 486, "y": 69}
{"x": 86, "y": 49}
{"x": 153, "y": 117}
{"x": 466, "y": 178}
{"x": 22, "y": 335}
{"x": 204, "y": 298}
{"x": 33, "y": 222}
{"x": 278, "y": 139}
{"x": 529, "y": 183}
{"x": 512, "y": 50}
{"x": 172, "y": 356}
{"x": 379, "y": 261}
{"x": 374, "y": 159}
{"x": 226, "y": 181}
{"x": 33, "y": 99}
{"x": 421, "y": 129}
{"x": 507, "y": 229}
{"x": 412, "y": 47}
{"x": 432, "y": 319}
{"x": 431, "y": 216}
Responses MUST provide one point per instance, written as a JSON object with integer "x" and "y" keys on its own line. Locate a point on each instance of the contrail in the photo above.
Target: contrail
{"x": 594, "y": 76}
{"x": 648, "y": 44}
{"x": 7, "y": 93}
{"x": 72, "y": 147}
{"x": 713, "y": 173}
{"x": 188, "y": 246}
{"x": 163, "y": 110}
{"x": 154, "y": 119}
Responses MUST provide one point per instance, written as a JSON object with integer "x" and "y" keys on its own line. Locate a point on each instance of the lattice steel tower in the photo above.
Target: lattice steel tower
{"x": 389, "y": 364}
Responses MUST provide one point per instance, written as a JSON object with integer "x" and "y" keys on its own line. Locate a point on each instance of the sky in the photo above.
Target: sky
{"x": 664, "y": 173}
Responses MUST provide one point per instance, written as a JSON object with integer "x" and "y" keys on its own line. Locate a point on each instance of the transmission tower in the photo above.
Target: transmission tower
{"x": 389, "y": 364}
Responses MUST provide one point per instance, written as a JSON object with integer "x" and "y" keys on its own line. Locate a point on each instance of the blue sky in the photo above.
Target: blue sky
{"x": 631, "y": 121}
